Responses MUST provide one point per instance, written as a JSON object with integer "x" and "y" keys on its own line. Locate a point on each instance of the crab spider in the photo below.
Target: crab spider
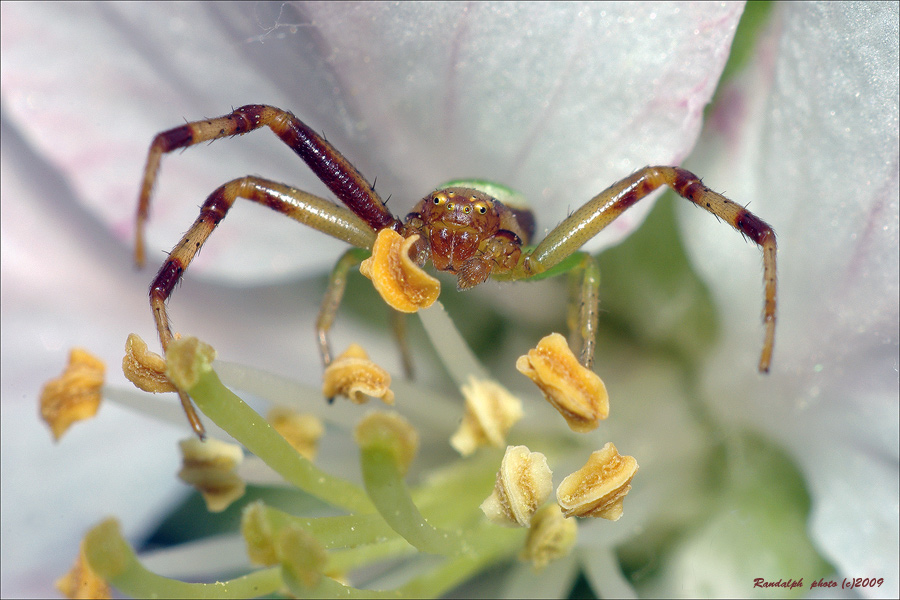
{"x": 473, "y": 229}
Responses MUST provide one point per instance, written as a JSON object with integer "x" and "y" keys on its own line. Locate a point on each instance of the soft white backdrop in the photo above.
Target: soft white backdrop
{"x": 557, "y": 101}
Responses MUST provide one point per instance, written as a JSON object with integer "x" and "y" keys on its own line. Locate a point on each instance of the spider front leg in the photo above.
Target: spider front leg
{"x": 329, "y": 165}
{"x": 305, "y": 208}
{"x": 334, "y": 294}
{"x": 590, "y": 219}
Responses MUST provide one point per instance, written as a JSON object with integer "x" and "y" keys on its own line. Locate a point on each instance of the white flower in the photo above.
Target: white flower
{"x": 816, "y": 152}
{"x": 556, "y": 101}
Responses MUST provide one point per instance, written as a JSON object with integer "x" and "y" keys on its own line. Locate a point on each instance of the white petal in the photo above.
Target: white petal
{"x": 810, "y": 141}
{"x": 558, "y": 100}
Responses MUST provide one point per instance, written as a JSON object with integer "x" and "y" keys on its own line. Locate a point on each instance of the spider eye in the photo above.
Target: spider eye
{"x": 467, "y": 209}
{"x": 437, "y": 200}
{"x": 482, "y": 209}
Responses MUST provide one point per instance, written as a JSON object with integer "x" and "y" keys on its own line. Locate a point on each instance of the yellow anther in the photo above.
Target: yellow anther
{"x": 550, "y": 537}
{"x": 576, "y": 392}
{"x": 211, "y": 467}
{"x": 354, "y": 376}
{"x": 524, "y": 482}
{"x": 81, "y": 581}
{"x": 145, "y": 369}
{"x": 400, "y": 281}
{"x": 74, "y": 395}
{"x": 598, "y": 488}
{"x": 491, "y": 411}
{"x": 302, "y": 431}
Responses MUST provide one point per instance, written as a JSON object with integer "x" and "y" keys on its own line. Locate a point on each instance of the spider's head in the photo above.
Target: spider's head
{"x": 460, "y": 207}
{"x": 456, "y": 220}
{"x": 469, "y": 231}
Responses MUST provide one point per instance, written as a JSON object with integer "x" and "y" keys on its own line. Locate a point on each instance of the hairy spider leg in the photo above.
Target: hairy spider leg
{"x": 583, "y": 315}
{"x": 305, "y": 208}
{"x": 323, "y": 159}
{"x": 590, "y": 219}
{"x": 334, "y": 294}
{"x": 337, "y": 283}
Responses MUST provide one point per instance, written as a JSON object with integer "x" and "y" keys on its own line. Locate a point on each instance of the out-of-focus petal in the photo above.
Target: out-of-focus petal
{"x": 57, "y": 293}
{"x": 90, "y": 85}
{"x": 809, "y": 138}
{"x": 556, "y": 100}
{"x": 551, "y": 100}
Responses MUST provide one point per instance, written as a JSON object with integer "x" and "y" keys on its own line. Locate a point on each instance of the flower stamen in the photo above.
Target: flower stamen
{"x": 524, "y": 482}
{"x": 354, "y": 376}
{"x": 491, "y": 411}
{"x": 599, "y": 487}
{"x": 401, "y": 282}
{"x": 575, "y": 391}
{"x": 74, "y": 395}
{"x": 302, "y": 431}
{"x": 550, "y": 537}
{"x": 145, "y": 369}
{"x": 211, "y": 467}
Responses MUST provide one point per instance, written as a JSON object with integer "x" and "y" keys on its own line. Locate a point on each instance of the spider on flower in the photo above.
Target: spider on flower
{"x": 471, "y": 228}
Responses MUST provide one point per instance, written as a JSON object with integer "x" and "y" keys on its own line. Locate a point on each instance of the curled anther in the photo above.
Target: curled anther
{"x": 74, "y": 395}
{"x": 258, "y": 534}
{"x": 599, "y": 487}
{"x": 81, "y": 581}
{"x": 400, "y": 281}
{"x": 187, "y": 360}
{"x": 390, "y": 432}
{"x": 145, "y": 369}
{"x": 211, "y": 467}
{"x": 491, "y": 411}
{"x": 354, "y": 376}
{"x": 302, "y": 431}
{"x": 550, "y": 537}
{"x": 302, "y": 557}
{"x": 575, "y": 391}
{"x": 524, "y": 482}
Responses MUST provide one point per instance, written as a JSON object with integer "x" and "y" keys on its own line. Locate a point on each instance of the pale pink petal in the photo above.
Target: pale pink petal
{"x": 809, "y": 139}
{"x": 558, "y": 100}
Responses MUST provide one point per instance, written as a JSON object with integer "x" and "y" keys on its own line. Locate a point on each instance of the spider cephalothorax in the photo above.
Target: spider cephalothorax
{"x": 471, "y": 233}
{"x": 474, "y": 229}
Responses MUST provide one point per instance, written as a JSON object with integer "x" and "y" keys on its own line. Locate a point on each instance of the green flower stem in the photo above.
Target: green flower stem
{"x": 348, "y": 559}
{"x": 493, "y": 543}
{"x": 230, "y": 413}
{"x": 364, "y": 539}
{"x": 490, "y": 544}
{"x": 468, "y": 482}
{"x": 110, "y": 556}
{"x": 336, "y": 532}
{"x": 385, "y": 485}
